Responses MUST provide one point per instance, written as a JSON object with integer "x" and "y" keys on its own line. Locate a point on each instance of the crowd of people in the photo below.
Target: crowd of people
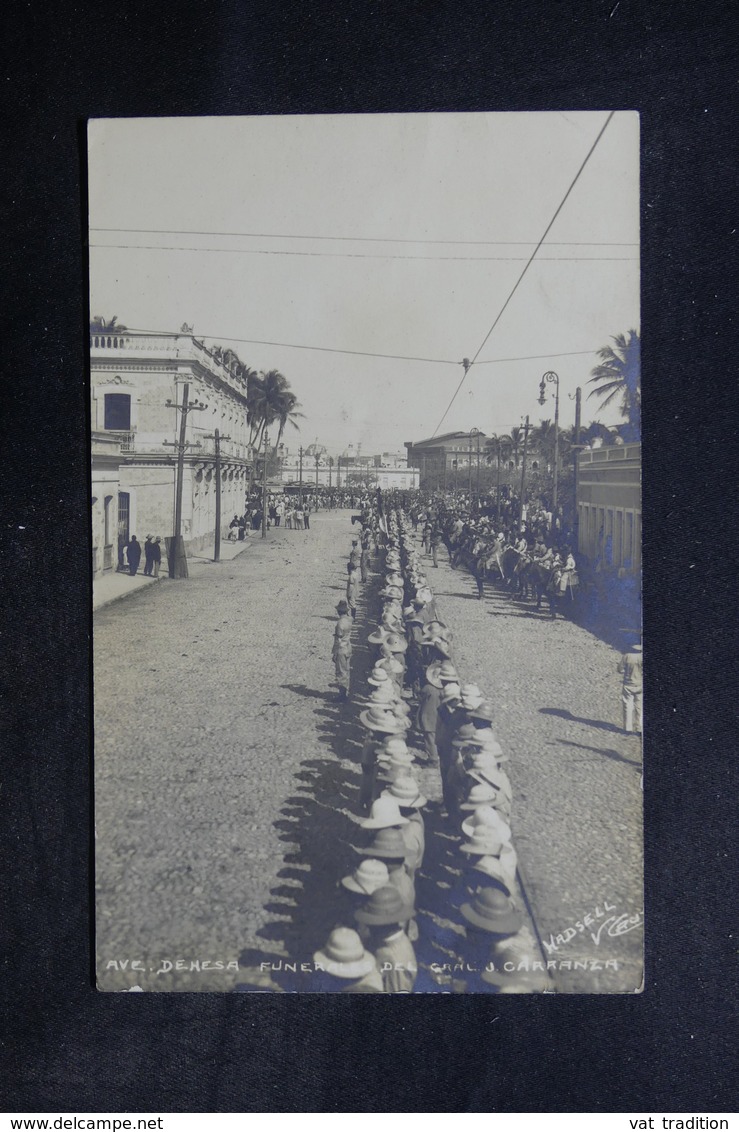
{"x": 130, "y": 553}
{"x": 417, "y": 711}
{"x": 528, "y": 555}
{"x": 293, "y": 514}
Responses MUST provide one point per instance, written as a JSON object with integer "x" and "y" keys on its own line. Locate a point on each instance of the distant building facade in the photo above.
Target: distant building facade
{"x": 609, "y": 505}
{"x": 345, "y": 472}
{"x": 133, "y": 376}
{"x": 442, "y": 458}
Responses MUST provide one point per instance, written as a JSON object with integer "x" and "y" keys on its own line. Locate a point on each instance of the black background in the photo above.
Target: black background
{"x": 68, "y": 1048}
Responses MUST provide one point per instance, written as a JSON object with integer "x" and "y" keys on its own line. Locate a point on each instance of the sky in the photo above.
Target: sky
{"x": 385, "y": 234}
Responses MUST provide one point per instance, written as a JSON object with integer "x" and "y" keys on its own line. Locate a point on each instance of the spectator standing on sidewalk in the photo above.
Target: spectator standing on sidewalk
{"x": 306, "y": 515}
{"x": 630, "y": 666}
{"x": 156, "y": 556}
{"x": 148, "y": 555}
{"x": 133, "y": 555}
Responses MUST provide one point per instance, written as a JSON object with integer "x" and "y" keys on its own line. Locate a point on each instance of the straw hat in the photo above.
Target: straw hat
{"x": 466, "y": 736}
{"x": 385, "y": 906}
{"x": 396, "y": 767}
{"x": 387, "y": 844}
{"x": 490, "y": 744}
{"x": 484, "y": 768}
{"x": 378, "y": 636}
{"x": 384, "y": 814}
{"x": 343, "y": 955}
{"x": 377, "y": 718}
{"x": 396, "y": 643}
{"x": 436, "y": 628}
{"x": 382, "y": 695}
{"x": 490, "y": 818}
{"x": 483, "y": 710}
{"x": 368, "y": 876}
{"x": 492, "y": 910}
{"x": 379, "y": 677}
{"x": 480, "y": 795}
{"x": 472, "y": 697}
{"x": 395, "y": 747}
{"x": 404, "y": 791}
{"x": 491, "y": 868}
{"x": 439, "y": 645}
{"x": 484, "y": 842}
{"x": 450, "y": 693}
{"x": 448, "y": 673}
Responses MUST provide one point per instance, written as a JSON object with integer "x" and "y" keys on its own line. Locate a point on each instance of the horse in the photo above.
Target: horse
{"x": 554, "y": 583}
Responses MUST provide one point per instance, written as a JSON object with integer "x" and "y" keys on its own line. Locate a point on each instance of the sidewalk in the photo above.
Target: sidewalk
{"x": 116, "y": 586}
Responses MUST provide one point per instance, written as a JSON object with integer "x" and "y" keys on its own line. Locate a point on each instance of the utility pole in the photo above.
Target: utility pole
{"x": 301, "y": 475}
{"x": 330, "y": 466}
{"x": 576, "y": 446}
{"x": 497, "y": 485}
{"x": 264, "y": 487}
{"x": 550, "y": 375}
{"x": 317, "y": 459}
{"x": 478, "y": 470}
{"x": 217, "y": 438}
{"x": 523, "y": 465}
{"x": 178, "y": 558}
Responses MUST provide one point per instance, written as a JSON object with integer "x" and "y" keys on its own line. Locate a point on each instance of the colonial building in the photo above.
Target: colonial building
{"x": 445, "y": 460}
{"x": 609, "y": 505}
{"x": 137, "y": 381}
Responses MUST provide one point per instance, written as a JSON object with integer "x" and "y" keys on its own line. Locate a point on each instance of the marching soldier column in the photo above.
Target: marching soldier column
{"x": 414, "y": 689}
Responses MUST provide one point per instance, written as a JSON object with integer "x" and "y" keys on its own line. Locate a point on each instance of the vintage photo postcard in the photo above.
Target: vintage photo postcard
{"x": 366, "y": 526}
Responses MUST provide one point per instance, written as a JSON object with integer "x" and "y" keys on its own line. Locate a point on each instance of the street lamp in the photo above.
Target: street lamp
{"x": 550, "y": 375}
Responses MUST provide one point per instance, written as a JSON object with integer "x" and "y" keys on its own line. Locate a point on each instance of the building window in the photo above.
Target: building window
{"x": 118, "y": 411}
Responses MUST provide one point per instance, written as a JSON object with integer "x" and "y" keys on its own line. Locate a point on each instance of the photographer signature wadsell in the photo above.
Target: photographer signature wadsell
{"x": 613, "y": 925}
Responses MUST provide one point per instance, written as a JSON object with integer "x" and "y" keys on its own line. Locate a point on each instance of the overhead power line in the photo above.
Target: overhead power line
{"x": 560, "y": 206}
{"x": 362, "y": 239}
{"x": 298, "y": 346}
{"x": 362, "y": 255}
{"x": 355, "y": 353}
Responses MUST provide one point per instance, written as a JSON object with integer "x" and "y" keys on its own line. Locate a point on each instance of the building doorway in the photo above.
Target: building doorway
{"x": 124, "y": 512}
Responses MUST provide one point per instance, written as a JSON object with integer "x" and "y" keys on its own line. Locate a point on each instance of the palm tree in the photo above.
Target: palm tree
{"x": 269, "y": 400}
{"x": 98, "y": 324}
{"x": 498, "y": 448}
{"x": 543, "y": 437}
{"x": 596, "y": 430}
{"x": 516, "y": 442}
{"x": 618, "y": 377}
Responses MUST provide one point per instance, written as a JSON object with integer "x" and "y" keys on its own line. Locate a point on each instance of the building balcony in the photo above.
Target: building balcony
{"x": 138, "y": 346}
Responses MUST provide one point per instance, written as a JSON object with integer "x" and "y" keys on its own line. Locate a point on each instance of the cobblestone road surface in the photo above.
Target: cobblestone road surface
{"x": 226, "y": 775}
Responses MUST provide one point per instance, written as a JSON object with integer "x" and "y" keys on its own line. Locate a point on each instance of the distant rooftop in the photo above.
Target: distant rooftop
{"x": 443, "y": 438}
